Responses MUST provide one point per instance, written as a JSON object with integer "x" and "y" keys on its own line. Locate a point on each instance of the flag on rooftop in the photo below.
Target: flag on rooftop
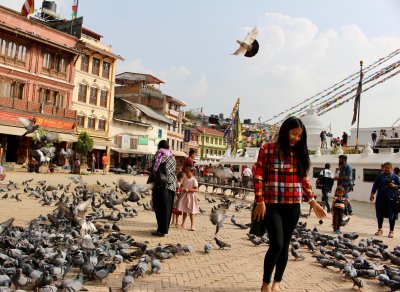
{"x": 75, "y": 8}
{"x": 28, "y": 8}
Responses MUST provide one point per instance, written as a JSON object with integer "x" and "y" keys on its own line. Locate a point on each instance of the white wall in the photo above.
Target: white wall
{"x": 364, "y": 134}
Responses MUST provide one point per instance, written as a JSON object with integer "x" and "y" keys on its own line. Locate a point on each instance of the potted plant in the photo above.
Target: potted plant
{"x": 83, "y": 146}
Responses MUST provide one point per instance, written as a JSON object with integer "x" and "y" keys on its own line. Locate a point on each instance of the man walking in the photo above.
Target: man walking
{"x": 345, "y": 179}
{"x": 327, "y": 176}
{"x": 373, "y": 136}
{"x": 246, "y": 176}
{"x": 104, "y": 160}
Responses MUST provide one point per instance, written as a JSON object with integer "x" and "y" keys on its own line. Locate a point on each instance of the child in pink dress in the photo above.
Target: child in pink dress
{"x": 175, "y": 211}
{"x": 188, "y": 202}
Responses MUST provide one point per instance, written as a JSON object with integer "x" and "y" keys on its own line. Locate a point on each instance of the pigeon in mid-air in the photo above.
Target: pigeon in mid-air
{"x": 29, "y": 126}
{"x": 249, "y": 47}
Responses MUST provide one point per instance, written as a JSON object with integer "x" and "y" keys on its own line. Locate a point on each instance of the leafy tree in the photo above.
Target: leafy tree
{"x": 84, "y": 145}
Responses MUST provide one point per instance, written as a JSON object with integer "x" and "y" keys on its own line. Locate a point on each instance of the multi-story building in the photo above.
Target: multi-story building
{"x": 136, "y": 130}
{"x": 37, "y": 68}
{"x": 192, "y": 140}
{"x": 93, "y": 97}
{"x": 141, "y": 88}
{"x": 212, "y": 144}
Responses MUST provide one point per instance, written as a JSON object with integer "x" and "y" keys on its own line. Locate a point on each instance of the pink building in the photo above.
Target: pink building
{"x": 37, "y": 67}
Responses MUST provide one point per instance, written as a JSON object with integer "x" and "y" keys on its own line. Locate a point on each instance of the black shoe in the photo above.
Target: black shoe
{"x": 156, "y": 233}
{"x": 351, "y": 213}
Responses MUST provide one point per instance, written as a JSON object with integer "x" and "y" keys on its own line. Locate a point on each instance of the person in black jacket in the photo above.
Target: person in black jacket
{"x": 162, "y": 175}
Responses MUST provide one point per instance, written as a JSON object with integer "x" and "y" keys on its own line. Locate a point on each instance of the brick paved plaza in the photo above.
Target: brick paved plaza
{"x": 235, "y": 269}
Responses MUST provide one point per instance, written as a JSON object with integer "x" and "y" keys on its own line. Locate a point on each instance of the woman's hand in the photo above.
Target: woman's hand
{"x": 371, "y": 197}
{"x": 318, "y": 210}
{"x": 391, "y": 185}
{"x": 259, "y": 212}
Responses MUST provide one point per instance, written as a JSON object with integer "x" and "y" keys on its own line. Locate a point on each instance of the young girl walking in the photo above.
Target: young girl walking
{"x": 178, "y": 193}
{"x": 188, "y": 202}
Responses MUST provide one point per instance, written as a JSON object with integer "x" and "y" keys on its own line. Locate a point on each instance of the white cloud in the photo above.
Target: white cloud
{"x": 296, "y": 61}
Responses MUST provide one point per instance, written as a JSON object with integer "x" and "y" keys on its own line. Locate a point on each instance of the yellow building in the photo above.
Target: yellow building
{"x": 93, "y": 96}
{"x": 212, "y": 144}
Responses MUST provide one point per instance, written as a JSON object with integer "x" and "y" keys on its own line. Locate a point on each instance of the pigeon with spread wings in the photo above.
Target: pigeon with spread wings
{"x": 29, "y": 125}
{"x": 249, "y": 47}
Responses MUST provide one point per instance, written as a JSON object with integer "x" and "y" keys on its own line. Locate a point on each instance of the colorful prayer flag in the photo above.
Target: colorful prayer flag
{"x": 75, "y": 9}
{"x": 28, "y": 8}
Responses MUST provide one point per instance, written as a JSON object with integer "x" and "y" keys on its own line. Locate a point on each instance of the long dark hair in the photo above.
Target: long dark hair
{"x": 300, "y": 148}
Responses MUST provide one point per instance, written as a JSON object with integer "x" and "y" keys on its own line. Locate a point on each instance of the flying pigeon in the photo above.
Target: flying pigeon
{"x": 249, "y": 47}
{"x": 29, "y": 126}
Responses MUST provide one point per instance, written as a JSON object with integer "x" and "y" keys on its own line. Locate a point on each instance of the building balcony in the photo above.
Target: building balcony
{"x": 150, "y": 92}
{"x": 34, "y": 107}
{"x": 94, "y": 133}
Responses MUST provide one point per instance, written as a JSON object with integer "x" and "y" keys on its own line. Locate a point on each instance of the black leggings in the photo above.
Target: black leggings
{"x": 391, "y": 223}
{"x": 281, "y": 220}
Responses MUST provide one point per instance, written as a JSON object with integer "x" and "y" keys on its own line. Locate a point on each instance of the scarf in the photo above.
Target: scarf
{"x": 160, "y": 155}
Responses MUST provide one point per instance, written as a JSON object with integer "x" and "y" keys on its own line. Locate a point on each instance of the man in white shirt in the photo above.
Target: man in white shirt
{"x": 246, "y": 176}
{"x": 328, "y": 183}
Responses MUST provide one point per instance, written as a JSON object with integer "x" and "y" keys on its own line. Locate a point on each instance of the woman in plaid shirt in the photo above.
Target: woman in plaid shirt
{"x": 281, "y": 183}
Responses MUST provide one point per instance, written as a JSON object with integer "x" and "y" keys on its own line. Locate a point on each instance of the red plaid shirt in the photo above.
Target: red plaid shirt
{"x": 277, "y": 181}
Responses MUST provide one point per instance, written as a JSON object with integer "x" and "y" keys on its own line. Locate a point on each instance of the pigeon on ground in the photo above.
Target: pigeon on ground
{"x": 208, "y": 247}
{"x": 29, "y": 125}
{"x": 249, "y": 47}
{"x": 127, "y": 281}
{"x": 221, "y": 244}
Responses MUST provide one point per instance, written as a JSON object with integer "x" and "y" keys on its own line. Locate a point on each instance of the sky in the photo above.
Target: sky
{"x": 305, "y": 47}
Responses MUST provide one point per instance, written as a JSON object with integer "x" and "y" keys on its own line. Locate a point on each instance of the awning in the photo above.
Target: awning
{"x": 102, "y": 144}
{"x": 130, "y": 151}
{"x": 179, "y": 153}
{"x": 17, "y": 131}
{"x": 67, "y": 137}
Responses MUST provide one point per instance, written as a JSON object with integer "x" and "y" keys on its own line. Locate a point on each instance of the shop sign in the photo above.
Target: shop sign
{"x": 40, "y": 121}
{"x": 124, "y": 155}
{"x": 143, "y": 140}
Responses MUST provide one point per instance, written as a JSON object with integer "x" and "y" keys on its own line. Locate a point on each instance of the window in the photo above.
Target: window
{"x": 168, "y": 141}
{"x": 96, "y": 66}
{"x": 173, "y": 144}
{"x": 159, "y": 133}
{"x": 134, "y": 143}
{"x": 93, "y": 95}
{"x": 85, "y": 63}
{"x": 118, "y": 140}
{"x": 3, "y": 45}
{"x": 212, "y": 140}
{"x": 46, "y": 60}
{"x": 82, "y": 93}
{"x": 207, "y": 139}
{"x": 106, "y": 70}
{"x": 12, "y": 50}
{"x": 81, "y": 120}
{"x": 102, "y": 125}
{"x": 59, "y": 101}
{"x": 19, "y": 90}
{"x": 62, "y": 65}
{"x": 370, "y": 174}
{"x": 6, "y": 89}
{"x": 103, "y": 98}
{"x": 316, "y": 171}
{"x": 21, "y": 53}
{"x": 181, "y": 147}
{"x": 91, "y": 122}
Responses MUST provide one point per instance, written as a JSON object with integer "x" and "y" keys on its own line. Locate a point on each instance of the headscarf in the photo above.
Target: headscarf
{"x": 160, "y": 155}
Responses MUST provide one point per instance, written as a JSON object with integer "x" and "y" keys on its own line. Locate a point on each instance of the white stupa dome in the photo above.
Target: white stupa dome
{"x": 314, "y": 127}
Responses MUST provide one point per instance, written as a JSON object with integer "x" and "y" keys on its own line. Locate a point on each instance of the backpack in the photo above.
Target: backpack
{"x": 319, "y": 184}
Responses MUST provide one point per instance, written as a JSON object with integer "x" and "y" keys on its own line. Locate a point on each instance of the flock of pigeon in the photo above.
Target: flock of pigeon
{"x": 79, "y": 241}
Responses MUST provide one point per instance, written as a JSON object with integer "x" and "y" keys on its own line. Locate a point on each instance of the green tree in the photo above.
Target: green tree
{"x": 84, "y": 145}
